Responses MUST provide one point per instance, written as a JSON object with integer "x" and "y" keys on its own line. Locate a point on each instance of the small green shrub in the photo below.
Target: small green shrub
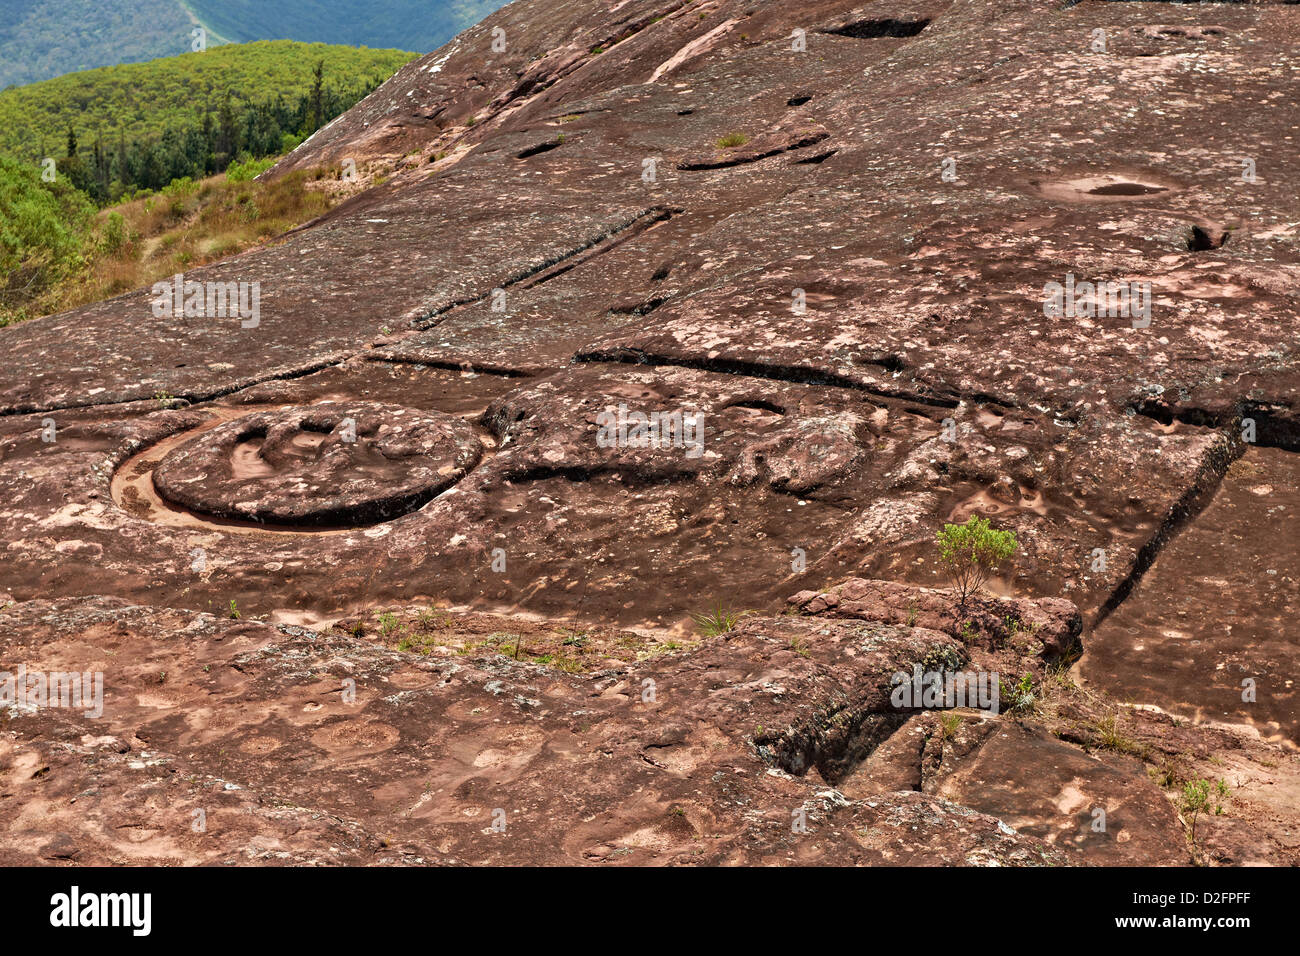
{"x": 113, "y": 237}
{"x": 1110, "y": 737}
{"x": 970, "y": 551}
{"x": 1200, "y": 796}
{"x": 949, "y": 723}
{"x": 1019, "y": 697}
{"x": 250, "y": 169}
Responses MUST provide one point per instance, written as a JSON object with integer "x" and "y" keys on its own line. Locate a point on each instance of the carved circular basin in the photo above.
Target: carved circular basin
{"x": 326, "y": 464}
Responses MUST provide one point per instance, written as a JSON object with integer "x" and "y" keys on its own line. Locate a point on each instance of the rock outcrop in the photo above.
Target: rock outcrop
{"x": 696, "y": 306}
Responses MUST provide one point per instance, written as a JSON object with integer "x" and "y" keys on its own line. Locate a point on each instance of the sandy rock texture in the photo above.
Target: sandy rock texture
{"x": 685, "y": 308}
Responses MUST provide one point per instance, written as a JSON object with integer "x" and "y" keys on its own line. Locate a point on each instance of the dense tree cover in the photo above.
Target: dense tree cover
{"x": 137, "y": 101}
{"x": 56, "y": 254}
{"x": 42, "y": 232}
{"x": 145, "y": 135}
{"x": 40, "y": 39}
{"x": 108, "y": 169}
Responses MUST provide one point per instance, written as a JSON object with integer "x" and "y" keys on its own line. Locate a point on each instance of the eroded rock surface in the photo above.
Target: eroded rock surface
{"x": 297, "y": 746}
{"x": 322, "y": 464}
{"x": 813, "y": 245}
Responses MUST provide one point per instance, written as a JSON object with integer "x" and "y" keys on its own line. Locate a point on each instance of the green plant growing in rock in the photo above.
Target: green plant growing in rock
{"x": 1201, "y": 796}
{"x": 576, "y": 639}
{"x": 942, "y": 660}
{"x": 1058, "y": 674}
{"x": 234, "y": 610}
{"x": 1109, "y": 737}
{"x": 387, "y": 623}
{"x": 431, "y": 619}
{"x": 1020, "y": 697}
{"x": 1172, "y": 772}
{"x": 970, "y": 552}
{"x": 732, "y": 140}
{"x": 950, "y": 724}
{"x": 718, "y": 621}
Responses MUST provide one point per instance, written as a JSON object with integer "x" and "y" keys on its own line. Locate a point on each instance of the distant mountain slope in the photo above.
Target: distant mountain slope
{"x": 422, "y": 25}
{"x": 44, "y": 38}
{"x": 141, "y": 99}
{"x": 40, "y": 39}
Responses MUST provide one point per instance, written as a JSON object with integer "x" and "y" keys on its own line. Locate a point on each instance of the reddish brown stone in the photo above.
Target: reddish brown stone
{"x": 852, "y": 298}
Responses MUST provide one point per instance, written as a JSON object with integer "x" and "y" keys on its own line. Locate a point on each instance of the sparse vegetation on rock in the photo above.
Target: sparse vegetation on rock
{"x": 970, "y": 552}
{"x": 1202, "y": 797}
{"x": 718, "y": 621}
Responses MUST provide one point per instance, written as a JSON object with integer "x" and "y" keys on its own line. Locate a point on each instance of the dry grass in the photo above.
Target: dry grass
{"x": 188, "y": 226}
{"x": 573, "y": 649}
{"x": 1244, "y": 470}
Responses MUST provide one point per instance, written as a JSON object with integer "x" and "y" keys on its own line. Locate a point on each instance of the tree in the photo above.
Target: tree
{"x": 227, "y": 145}
{"x": 73, "y": 166}
{"x": 1200, "y": 796}
{"x": 970, "y": 551}
{"x": 317, "y": 96}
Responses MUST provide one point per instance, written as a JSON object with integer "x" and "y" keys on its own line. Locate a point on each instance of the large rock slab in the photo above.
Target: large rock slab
{"x": 297, "y": 746}
{"x": 838, "y": 257}
{"x": 1054, "y": 791}
{"x": 1052, "y": 625}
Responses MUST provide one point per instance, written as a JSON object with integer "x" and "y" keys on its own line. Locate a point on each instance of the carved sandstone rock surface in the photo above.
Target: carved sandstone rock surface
{"x": 322, "y": 464}
{"x": 811, "y": 243}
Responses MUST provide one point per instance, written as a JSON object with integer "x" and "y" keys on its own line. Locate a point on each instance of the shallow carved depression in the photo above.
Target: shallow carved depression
{"x": 1102, "y": 187}
{"x": 327, "y": 464}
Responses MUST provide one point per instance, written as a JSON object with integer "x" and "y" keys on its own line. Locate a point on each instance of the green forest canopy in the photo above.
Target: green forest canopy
{"x": 44, "y": 38}
{"x": 40, "y": 39}
{"x": 143, "y": 100}
{"x": 112, "y": 134}
{"x": 42, "y": 232}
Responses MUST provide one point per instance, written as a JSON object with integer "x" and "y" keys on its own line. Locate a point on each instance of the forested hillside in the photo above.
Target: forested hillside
{"x": 139, "y": 100}
{"x": 40, "y": 39}
{"x": 149, "y": 140}
{"x": 44, "y": 38}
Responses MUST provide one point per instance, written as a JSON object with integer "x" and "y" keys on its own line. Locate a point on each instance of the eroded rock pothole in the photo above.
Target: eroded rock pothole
{"x": 327, "y": 464}
{"x": 1104, "y": 187}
